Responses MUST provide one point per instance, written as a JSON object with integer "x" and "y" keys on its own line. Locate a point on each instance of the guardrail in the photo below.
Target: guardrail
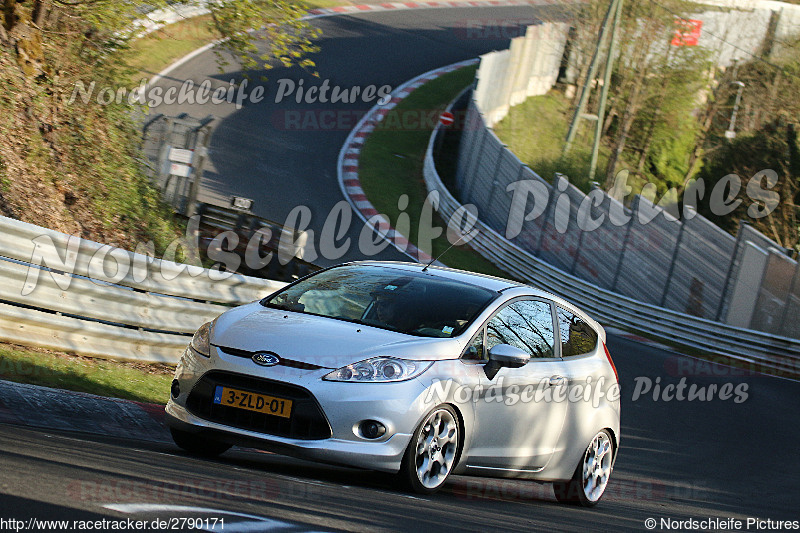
{"x": 65, "y": 293}
{"x": 781, "y": 354}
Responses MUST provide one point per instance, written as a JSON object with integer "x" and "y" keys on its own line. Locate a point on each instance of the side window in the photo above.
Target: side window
{"x": 577, "y": 337}
{"x": 526, "y": 324}
{"x": 474, "y": 351}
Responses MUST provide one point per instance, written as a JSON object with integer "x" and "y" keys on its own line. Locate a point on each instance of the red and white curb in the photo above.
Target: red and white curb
{"x": 396, "y": 6}
{"x": 350, "y": 154}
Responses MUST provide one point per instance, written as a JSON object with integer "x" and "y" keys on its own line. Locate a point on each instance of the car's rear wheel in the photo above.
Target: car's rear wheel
{"x": 433, "y": 451}
{"x": 588, "y": 483}
{"x": 197, "y": 444}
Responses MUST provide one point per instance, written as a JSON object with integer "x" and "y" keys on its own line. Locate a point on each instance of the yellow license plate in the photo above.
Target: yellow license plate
{"x": 260, "y": 403}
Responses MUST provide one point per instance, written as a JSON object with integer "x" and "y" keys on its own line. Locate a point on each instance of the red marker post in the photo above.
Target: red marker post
{"x": 447, "y": 118}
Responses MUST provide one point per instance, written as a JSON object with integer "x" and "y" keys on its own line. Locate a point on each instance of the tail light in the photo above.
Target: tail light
{"x": 611, "y": 362}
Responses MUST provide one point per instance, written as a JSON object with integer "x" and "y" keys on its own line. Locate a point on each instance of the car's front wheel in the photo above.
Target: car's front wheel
{"x": 433, "y": 451}
{"x": 197, "y": 444}
{"x": 590, "y": 479}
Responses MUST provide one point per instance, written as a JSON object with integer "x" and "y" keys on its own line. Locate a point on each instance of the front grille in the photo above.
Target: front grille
{"x": 236, "y": 352}
{"x": 306, "y": 422}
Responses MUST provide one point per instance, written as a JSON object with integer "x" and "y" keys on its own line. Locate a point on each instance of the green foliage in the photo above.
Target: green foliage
{"x": 535, "y": 131}
{"x": 654, "y": 92}
{"x": 668, "y": 154}
{"x": 774, "y": 147}
{"x": 89, "y": 153}
{"x": 669, "y": 116}
{"x": 391, "y": 166}
{"x": 79, "y": 163}
{"x": 767, "y": 121}
{"x": 771, "y": 88}
{"x": 289, "y": 39}
{"x": 5, "y": 182}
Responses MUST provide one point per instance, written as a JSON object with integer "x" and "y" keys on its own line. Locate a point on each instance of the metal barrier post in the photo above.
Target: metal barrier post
{"x": 161, "y": 164}
{"x": 631, "y": 222}
{"x": 578, "y": 247}
{"x": 547, "y": 211}
{"x": 471, "y": 174}
{"x": 577, "y": 251}
{"x": 461, "y": 182}
{"x": 201, "y": 153}
{"x": 731, "y": 266}
{"x": 785, "y": 312}
{"x": 495, "y": 181}
{"x": 674, "y": 260}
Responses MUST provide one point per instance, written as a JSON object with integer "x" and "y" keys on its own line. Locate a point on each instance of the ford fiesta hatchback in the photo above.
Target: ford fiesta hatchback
{"x": 397, "y": 367}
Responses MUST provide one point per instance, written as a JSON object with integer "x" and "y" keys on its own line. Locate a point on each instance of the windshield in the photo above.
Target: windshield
{"x": 415, "y": 303}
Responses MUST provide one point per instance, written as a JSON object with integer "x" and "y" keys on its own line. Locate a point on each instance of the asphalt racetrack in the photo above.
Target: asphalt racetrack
{"x": 710, "y": 458}
{"x": 678, "y": 460}
{"x": 284, "y": 154}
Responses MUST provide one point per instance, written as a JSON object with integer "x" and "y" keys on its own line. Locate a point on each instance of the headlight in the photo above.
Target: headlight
{"x": 201, "y": 340}
{"x": 379, "y": 369}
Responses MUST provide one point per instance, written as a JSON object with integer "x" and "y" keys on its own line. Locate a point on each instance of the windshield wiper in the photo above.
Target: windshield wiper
{"x": 295, "y": 307}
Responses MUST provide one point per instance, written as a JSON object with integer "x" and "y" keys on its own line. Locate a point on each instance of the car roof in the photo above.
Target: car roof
{"x": 481, "y": 280}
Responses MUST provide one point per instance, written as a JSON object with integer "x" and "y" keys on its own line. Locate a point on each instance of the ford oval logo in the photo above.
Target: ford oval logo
{"x": 266, "y": 359}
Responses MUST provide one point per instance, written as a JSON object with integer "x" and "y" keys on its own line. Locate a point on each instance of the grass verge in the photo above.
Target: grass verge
{"x": 392, "y": 160}
{"x": 141, "y": 382}
{"x": 156, "y": 51}
{"x": 535, "y": 130}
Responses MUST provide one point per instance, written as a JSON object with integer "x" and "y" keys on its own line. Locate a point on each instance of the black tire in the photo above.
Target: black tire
{"x": 574, "y": 491}
{"x": 443, "y": 454}
{"x": 196, "y": 444}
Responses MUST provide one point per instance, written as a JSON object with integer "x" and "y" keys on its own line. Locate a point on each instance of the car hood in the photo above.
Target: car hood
{"x": 319, "y": 340}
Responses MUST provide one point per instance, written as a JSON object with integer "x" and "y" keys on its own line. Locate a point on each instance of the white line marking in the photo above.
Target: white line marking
{"x": 130, "y": 508}
{"x": 254, "y": 523}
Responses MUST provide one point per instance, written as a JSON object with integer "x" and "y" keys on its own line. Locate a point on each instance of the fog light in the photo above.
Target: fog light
{"x": 370, "y": 429}
{"x": 175, "y": 389}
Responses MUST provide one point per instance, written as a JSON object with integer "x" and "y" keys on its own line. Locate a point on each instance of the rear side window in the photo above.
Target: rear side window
{"x": 525, "y": 324}
{"x": 577, "y": 337}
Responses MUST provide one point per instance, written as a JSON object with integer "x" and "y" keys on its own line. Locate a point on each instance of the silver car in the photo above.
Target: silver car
{"x": 419, "y": 371}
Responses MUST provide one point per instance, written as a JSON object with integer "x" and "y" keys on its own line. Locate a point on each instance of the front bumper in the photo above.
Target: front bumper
{"x": 399, "y": 406}
{"x": 384, "y": 456}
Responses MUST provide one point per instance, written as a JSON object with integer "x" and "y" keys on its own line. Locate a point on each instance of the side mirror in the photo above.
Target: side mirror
{"x": 505, "y": 355}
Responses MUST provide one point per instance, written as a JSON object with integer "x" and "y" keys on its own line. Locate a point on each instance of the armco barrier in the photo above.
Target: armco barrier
{"x": 65, "y": 293}
{"x": 58, "y": 332}
{"x": 22, "y": 242}
{"x": 781, "y": 354}
{"x": 87, "y": 298}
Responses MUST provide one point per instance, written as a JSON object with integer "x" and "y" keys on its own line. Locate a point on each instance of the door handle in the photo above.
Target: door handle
{"x": 557, "y": 380}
